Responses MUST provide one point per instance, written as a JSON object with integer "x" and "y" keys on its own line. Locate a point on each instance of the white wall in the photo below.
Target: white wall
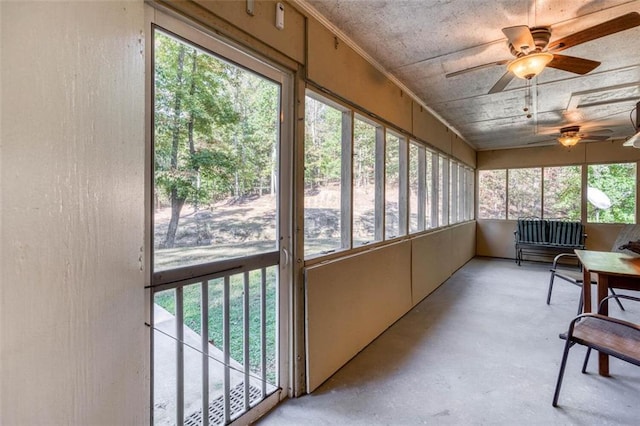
{"x": 74, "y": 348}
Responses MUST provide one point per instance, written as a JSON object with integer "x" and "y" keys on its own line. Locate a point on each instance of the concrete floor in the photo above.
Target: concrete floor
{"x": 482, "y": 349}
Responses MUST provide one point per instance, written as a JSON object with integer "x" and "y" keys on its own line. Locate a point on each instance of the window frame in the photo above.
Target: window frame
{"x": 435, "y": 195}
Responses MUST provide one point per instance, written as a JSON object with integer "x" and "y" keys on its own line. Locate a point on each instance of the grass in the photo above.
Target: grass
{"x": 192, "y": 303}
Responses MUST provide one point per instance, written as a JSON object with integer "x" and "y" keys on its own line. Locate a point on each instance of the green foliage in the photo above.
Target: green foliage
{"x": 392, "y": 160}
{"x": 364, "y": 154}
{"x": 216, "y": 128}
{"x": 618, "y": 182}
{"x": 323, "y": 144}
{"x": 562, "y": 192}
{"x": 191, "y": 116}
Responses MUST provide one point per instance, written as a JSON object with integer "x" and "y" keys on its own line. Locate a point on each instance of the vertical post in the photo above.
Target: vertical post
{"x": 204, "y": 327}
{"x": 346, "y": 181}
{"x": 179, "y": 357}
{"x": 263, "y": 331}
{"x": 247, "y": 361}
{"x": 403, "y": 186}
{"x": 226, "y": 347}
{"x": 422, "y": 189}
{"x": 444, "y": 188}
{"x": 379, "y": 184}
{"x": 435, "y": 187}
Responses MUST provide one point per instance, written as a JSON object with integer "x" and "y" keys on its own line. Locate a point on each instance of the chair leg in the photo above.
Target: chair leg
{"x": 581, "y": 301}
{"x": 617, "y": 300}
{"x": 563, "y": 364}
{"x": 553, "y": 275}
{"x": 586, "y": 360}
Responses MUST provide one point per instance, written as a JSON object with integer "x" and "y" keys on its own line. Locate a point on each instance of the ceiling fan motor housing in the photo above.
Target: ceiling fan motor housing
{"x": 541, "y": 36}
{"x": 570, "y": 130}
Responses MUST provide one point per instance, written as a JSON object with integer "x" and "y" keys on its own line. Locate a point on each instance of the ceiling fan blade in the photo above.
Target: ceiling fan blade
{"x": 613, "y": 26}
{"x": 592, "y": 137}
{"x": 477, "y": 67}
{"x": 502, "y": 83}
{"x": 601, "y": 131}
{"x": 573, "y": 64}
{"x": 520, "y": 37}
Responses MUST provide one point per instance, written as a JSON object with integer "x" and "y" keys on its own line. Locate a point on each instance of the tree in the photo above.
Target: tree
{"x": 192, "y": 116}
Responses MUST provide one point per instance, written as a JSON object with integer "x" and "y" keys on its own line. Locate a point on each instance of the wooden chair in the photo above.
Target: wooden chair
{"x": 613, "y": 336}
{"x": 575, "y": 277}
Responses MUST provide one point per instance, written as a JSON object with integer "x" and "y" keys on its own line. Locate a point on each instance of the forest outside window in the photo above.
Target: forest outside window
{"x": 368, "y": 143}
{"x": 492, "y": 194}
{"x": 365, "y": 183}
{"x": 327, "y": 125}
{"x": 611, "y": 193}
{"x": 557, "y": 193}
{"x": 525, "y": 193}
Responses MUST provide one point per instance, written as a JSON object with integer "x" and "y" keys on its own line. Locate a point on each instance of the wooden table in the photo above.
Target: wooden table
{"x": 618, "y": 270}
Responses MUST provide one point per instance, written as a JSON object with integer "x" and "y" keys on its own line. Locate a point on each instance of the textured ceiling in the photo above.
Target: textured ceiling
{"x": 419, "y": 41}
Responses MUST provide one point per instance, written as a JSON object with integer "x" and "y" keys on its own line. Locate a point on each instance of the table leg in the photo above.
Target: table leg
{"x": 603, "y": 290}
{"x": 586, "y": 290}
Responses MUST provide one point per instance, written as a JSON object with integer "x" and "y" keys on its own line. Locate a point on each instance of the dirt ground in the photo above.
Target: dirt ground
{"x": 241, "y": 226}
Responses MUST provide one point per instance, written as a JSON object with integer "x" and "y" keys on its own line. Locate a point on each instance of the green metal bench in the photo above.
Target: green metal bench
{"x": 537, "y": 236}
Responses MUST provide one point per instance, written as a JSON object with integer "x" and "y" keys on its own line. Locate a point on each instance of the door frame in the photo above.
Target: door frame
{"x": 197, "y": 34}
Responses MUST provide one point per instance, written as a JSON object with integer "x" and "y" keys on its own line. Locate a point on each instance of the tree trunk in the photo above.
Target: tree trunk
{"x": 176, "y": 202}
{"x": 176, "y": 207}
{"x": 190, "y": 125}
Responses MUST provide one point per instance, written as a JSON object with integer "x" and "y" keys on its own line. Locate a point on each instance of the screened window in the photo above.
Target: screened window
{"x": 562, "y": 192}
{"x": 454, "y": 202}
{"x": 431, "y": 189}
{"x": 365, "y": 176}
{"x": 325, "y": 127}
{"x": 392, "y": 186}
{"x": 366, "y": 183}
{"x": 416, "y": 188}
{"x": 470, "y": 195}
{"x": 611, "y": 193}
{"x": 492, "y": 194}
{"x": 443, "y": 190}
{"x": 215, "y": 157}
{"x": 525, "y": 192}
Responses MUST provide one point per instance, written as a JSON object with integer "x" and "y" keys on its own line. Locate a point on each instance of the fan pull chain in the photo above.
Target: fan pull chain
{"x": 527, "y": 100}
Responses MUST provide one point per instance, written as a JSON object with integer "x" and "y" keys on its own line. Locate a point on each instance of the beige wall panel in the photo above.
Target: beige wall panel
{"x": 430, "y": 129}
{"x": 495, "y": 238}
{"x": 349, "y": 302}
{"x": 341, "y": 70}
{"x": 556, "y": 155}
{"x": 74, "y": 349}
{"x": 261, "y": 25}
{"x": 462, "y": 151}
{"x": 463, "y": 244}
{"x": 601, "y": 236}
{"x": 530, "y": 157}
{"x": 431, "y": 263}
{"x": 609, "y": 151}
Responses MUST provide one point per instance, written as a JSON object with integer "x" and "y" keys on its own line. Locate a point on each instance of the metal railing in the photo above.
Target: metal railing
{"x": 226, "y": 318}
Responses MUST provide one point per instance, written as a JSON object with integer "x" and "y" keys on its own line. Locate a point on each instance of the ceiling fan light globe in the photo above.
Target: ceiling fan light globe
{"x": 569, "y": 140}
{"x": 529, "y": 66}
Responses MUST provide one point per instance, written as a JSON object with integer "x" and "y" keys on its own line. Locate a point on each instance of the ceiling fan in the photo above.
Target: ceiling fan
{"x": 571, "y": 135}
{"x": 533, "y": 51}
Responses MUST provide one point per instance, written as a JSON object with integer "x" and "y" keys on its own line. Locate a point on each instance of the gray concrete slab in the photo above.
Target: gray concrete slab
{"x": 482, "y": 349}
